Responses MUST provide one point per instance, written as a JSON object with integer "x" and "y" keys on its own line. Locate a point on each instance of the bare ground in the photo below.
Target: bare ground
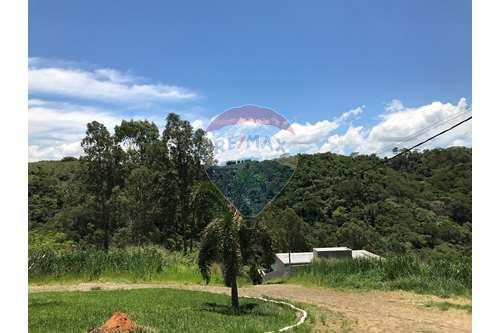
{"x": 340, "y": 311}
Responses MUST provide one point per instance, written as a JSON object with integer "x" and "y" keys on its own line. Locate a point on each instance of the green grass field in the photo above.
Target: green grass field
{"x": 165, "y": 310}
{"x": 407, "y": 272}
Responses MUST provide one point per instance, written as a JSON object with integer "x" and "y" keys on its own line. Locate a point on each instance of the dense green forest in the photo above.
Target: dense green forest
{"x": 420, "y": 201}
{"x": 139, "y": 187}
{"x": 250, "y": 185}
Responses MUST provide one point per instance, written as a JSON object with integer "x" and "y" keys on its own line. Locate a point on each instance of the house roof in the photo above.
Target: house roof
{"x": 307, "y": 257}
{"x": 363, "y": 254}
{"x": 296, "y": 257}
{"x": 331, "y": 249}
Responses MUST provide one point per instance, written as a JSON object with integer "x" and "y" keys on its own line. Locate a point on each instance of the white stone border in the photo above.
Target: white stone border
{"x": 303, "y": 313}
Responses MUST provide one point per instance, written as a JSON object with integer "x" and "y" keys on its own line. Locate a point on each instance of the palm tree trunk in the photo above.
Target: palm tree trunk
{"x": 234, "y": 296}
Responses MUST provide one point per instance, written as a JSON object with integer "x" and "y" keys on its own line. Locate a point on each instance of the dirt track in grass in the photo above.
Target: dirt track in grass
{"x": 342, "y": 311}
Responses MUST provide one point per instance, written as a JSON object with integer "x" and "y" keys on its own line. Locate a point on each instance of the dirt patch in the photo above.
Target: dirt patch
{"x": 119, "y": 323}
{"x": 375, "y": 311}
{"x": 347, "y": 311}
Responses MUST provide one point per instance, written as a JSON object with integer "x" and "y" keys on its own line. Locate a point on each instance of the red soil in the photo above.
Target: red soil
{"x": 118, "y": 323}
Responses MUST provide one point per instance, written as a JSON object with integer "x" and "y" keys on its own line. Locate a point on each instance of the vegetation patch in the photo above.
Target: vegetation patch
{"x": 406, "y": 272}
{"x": 164, "y": 310}
{"x": 131, "y": 264}
{"x": 444, "y": 306}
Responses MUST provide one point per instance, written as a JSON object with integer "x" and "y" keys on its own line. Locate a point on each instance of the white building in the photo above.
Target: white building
{"x": 284, "y": 260}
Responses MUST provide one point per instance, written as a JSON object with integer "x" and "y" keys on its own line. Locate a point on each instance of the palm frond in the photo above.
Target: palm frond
{"x": 220, "y": 243}
{"x": 209, "y": 249}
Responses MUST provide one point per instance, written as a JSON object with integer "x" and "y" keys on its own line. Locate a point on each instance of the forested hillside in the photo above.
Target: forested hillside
{"x": 137, "y": 187}
{"x": 250, "y": 185}
{"x": 419, "y": 201}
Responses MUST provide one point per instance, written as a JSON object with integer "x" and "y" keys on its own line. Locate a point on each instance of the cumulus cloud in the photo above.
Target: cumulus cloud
{"x": 403, "y": 127}
{"x": 55, "y": 152}
{"x": 55, "y": 128}
{"x": 351, "y": 113}
{"x": 307, "y": 134}
{"x": 64, "y": 120}
{"x": 65, "y": 96}
{"x": 350, "y": 141}
{"x": 106, "y": 85}
{"x": 399, "y": 126}
{"x": 394, "y": 105}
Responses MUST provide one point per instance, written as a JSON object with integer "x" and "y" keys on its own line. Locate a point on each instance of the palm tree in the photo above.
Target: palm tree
{"x": 220, "y": 243}
{"x": 206, "y": 202}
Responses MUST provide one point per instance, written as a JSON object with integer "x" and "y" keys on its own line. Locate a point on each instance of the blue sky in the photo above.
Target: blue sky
{"x": 310, "y": 63}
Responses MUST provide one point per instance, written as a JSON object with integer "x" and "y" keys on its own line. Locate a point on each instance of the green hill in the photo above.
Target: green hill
{"x": 421, "y": 202}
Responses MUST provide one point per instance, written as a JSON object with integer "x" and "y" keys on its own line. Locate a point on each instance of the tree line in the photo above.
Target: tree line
{"x": 135, "y": 186}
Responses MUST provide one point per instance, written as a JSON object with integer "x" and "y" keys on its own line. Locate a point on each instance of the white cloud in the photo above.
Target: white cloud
{"x": 64, "y": 118}
{"x": 351, "y": 113}
{"x": 197, "y": 123}
{"x": 345, "y": 143}
{"x": 394, "y": 105}
{"x": 399, "y": 126}
{"x": 428, "y": 119}
{"x": 55, "y": 129}
{"x": 403, "y": 127}
{"x": 307, "y": 133}
{"x": 311, "y": 134}
{"x": 106, "y": 84}
{"x": 56, "y": 152}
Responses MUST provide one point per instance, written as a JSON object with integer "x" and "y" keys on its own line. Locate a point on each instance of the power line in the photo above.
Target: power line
{"x": 421, "y": 132}
{"x": 432, "y": 126}
{"x": 418, "y": 144}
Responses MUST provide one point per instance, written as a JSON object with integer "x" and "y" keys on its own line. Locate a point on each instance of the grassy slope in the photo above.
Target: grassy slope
{"x": 403, "y": 272}
{"x": 166, "y": 310}
{"x": 176, "y": 274}
{"x": 133, "y": 264}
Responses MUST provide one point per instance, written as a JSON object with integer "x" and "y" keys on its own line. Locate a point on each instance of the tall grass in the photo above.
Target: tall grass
{"x": 406, "y": 272}
{"x": 129, "y": 264}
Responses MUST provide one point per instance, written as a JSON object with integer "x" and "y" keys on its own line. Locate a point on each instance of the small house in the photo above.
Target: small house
{"x": 283, "y": 261}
